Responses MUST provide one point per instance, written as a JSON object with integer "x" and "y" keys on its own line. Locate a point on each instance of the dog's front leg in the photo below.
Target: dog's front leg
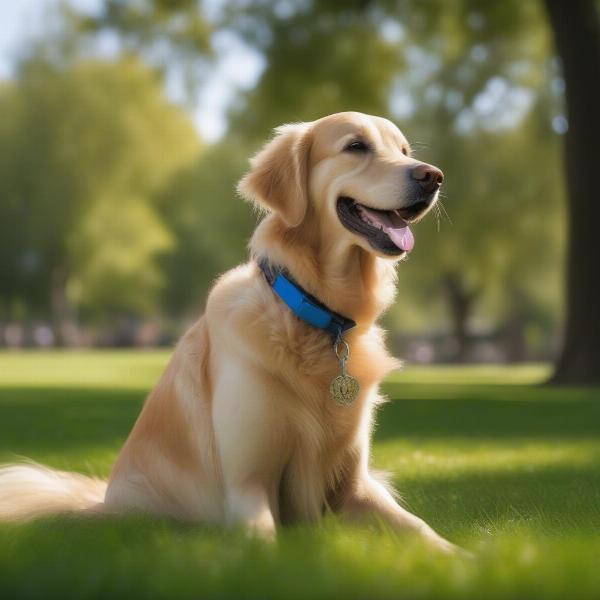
{"x": 370, "y": 499}
{"x": 249, "y": 445}
{"x": 248, "y": 505}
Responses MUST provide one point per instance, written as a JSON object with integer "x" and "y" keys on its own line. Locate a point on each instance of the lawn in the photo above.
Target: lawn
{"x": 497, "y": 463}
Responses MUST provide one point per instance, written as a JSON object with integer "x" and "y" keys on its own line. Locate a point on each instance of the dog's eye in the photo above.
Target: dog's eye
{"x": 405, "y": 151}
{"x": 357, "y": 146}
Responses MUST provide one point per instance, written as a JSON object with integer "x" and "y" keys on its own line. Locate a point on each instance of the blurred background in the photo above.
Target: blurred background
{"x": 124, "y": 126}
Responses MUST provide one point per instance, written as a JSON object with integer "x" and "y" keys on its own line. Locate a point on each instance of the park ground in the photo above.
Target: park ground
{"x": 498, "y": 463}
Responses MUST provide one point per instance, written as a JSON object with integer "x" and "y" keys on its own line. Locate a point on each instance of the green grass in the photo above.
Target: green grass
{"x": 507, "y": 468}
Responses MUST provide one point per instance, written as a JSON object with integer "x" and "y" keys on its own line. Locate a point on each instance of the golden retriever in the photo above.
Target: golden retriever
{"x": 242, "y": 427}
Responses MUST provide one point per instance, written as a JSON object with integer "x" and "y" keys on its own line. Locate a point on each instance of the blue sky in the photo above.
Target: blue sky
{"x": 237, "y": 67}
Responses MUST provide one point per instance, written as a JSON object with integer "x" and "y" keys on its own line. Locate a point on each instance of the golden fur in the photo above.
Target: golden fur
{"x": 241, "y": 429}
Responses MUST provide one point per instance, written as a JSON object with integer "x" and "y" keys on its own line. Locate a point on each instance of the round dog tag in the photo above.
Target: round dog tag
{"x": 344, "y": 389}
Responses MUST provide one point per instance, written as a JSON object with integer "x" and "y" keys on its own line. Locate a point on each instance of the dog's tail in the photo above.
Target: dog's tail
{"x": 29, "y": 490}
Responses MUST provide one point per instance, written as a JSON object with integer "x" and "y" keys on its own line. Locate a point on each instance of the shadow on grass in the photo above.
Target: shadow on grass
{"x": 489, "y": 412}
{"x": 554, "y": 499}
{"x": 34, "y": 421}
{"x": 41, "y": 420}
{"x": 551, "y": 497}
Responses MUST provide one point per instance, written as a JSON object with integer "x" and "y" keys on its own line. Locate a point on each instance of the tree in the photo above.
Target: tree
{"x": 166, "y": 30}
{"x": 320, "y": 59}
{"x": 210, "y": 225}
{"x": 91, "y": 144}
{"x": 576, "y": 27}
{"x": 172, "y": 35}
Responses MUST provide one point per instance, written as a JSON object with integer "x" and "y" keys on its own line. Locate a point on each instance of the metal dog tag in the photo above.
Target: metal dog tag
{"x": 344, "y": 388}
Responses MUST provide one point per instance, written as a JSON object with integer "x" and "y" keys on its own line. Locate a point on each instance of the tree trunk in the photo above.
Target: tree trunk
{"x": 514, "y": 331}
{"x": 460, "y": 303}
{"x": 63, "y": 315}
{"x": 576, "y": 28}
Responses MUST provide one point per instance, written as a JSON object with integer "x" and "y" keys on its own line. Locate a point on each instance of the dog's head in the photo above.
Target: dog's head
{"x": 349, "y": 174}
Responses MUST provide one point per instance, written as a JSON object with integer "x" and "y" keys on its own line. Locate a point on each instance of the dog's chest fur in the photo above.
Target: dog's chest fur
{"x": 323, "y": 440}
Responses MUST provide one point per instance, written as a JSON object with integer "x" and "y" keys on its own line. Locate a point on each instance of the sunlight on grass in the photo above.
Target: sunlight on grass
{"x": 473, "y": 374}
{"x": 94, "y": 368}
{"x": 140, "y": 369}
{"x": 453, "y": 458}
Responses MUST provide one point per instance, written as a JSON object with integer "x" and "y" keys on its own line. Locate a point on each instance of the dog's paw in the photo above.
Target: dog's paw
{"x": 451, "y": 549}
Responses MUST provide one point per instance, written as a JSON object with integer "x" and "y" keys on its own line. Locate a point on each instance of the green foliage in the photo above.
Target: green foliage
{"x": 210, "y": 223}
{"x": 483, "y": 115}
{"x": 151, "y": 25}
{"x": 321, "y": 59}
{"x": 504, "y": 467}
{"x": 115, "y": 266}
{"x": 172, "y": 35}
{"x": 89, "y": 148}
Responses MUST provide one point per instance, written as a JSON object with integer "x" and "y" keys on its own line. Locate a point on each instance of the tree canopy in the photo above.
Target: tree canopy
{"x": 86, "y": 150}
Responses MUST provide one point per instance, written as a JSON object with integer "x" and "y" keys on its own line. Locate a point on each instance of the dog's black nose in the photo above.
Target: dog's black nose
{"x": 429, "y": 177}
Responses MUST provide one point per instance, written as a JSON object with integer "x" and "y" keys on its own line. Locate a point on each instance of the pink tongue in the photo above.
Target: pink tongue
{"x": 395, "y": 227}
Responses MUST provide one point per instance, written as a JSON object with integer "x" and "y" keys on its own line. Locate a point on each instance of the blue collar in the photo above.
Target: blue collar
{"x": 302, "y": 304}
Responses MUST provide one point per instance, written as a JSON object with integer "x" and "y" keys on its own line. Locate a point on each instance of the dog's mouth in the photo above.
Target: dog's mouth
{"x": 386, "y": 230}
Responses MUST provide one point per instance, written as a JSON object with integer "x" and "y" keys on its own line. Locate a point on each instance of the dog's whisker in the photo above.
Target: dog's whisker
{"x": 417, "y": 147}
{"x": 442, "y": 207}
{"x": 437, "y": 217}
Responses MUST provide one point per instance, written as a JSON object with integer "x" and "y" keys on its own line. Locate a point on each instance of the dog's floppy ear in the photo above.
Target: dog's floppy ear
{"x": 278, "y": 179}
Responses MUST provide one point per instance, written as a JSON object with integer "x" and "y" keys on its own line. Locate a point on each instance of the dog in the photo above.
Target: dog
{"x": 264, "y": 415}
